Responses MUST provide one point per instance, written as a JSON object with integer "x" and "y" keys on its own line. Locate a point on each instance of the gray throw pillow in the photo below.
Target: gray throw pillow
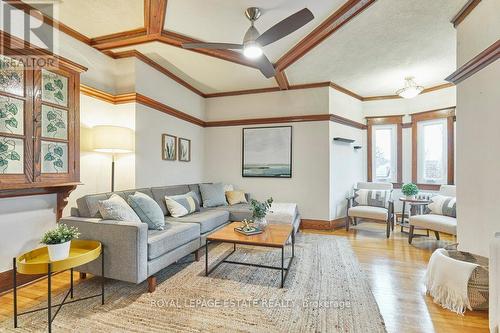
{"x": 116, "y": 208}
{"x": 148, "y": 210}
{"x": 442, "y": 205}
{"x": 213, "y": 195}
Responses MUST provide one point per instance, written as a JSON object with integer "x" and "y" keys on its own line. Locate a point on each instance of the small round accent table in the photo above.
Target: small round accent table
{"x": 38, "y": 262}
{"x": 419, "y": 204}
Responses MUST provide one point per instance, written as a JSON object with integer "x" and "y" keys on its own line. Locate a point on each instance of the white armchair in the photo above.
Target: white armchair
{"x": 371, "y": 213}
{"x": 434, "y": 222}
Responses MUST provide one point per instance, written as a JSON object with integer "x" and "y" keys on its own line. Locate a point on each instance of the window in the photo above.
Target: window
{"x": 384, "y": 152}
{"x": 432, "y": 151}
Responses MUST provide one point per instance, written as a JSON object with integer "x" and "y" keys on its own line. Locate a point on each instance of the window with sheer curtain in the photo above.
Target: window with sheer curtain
{"x": 384, "y": 152}
{"x": 432, "y": 151}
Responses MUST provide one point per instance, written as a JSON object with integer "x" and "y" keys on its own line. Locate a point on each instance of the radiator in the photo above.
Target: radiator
{"x": 495, "y": 284}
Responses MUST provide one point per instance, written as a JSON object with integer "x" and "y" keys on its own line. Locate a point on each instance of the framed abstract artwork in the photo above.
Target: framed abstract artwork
{"x": 267, "y": 152}
{"x": 184, "y": 150}
{"x": 168, "y": 147}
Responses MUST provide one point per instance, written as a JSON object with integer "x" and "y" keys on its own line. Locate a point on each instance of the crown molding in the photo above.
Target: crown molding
{"x": 464, "y": 12}
{"x": 483, "y": 59}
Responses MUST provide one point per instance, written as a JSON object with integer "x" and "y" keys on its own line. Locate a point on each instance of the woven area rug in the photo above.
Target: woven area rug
{"x": 325, "y": 291}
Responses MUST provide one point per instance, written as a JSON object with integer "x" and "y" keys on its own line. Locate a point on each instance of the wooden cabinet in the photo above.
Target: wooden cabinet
{"x": 39, "y": 122}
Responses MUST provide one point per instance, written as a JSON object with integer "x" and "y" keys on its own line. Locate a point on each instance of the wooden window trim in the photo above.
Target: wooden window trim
{"x": 387, "y": 120}
{"x": 449, "y": 114}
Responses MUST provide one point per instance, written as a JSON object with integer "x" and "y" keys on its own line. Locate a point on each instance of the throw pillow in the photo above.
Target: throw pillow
{"x": 116, "y": 208}
{"x": 228, "y": 187}
{"x": 236, "y": 197}
{"x": 443, "y": 205}
{"x": 213, "y": 195}
{"x": 148, "y": 210}
{"x": 374, "y": 198}
{"x": 182, "y": 205}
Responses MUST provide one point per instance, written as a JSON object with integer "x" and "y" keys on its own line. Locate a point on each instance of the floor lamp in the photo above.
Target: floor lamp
{"x": 113, "y": 140}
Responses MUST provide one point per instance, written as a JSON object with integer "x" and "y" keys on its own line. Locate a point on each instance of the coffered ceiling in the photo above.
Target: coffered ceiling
{"x": 365, "y": 46}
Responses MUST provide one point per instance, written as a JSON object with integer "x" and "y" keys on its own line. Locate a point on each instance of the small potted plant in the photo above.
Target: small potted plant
{"x": 259, "y": 212}
{"x": 58, "y": 241}
{"x": 410, "y": 190}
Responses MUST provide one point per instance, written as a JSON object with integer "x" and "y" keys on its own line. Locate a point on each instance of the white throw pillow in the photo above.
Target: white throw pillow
{"x": 175, "y": 208}
{"x": 116, "y": 208}
{"x": 228, "y": 187}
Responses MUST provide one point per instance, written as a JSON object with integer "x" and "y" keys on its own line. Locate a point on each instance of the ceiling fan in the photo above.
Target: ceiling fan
{"x": 254, "y": 41}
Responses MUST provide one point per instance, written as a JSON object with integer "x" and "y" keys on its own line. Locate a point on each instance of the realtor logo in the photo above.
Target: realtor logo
{"x": 26, "y": 20}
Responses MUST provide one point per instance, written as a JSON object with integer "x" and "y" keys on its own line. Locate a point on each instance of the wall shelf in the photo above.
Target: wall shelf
{"x": 343, "y": 139}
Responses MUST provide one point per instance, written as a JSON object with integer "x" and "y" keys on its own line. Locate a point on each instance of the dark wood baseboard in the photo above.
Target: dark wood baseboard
{"x": 322, "y": 224}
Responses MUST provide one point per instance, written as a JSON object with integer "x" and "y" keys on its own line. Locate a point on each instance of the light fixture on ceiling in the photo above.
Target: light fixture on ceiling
{"x": 411, "y": 89}
{"x": 252, "y": 50}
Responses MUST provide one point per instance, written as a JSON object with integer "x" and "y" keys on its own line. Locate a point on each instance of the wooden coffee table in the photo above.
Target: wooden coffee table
{"x": 275, "y": 236}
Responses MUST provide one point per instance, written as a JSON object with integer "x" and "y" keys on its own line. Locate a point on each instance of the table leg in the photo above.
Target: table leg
{"x": 71, "y": 283}
{"x": 14, "y": 281}
{"x": 102, "y": 275}
{"x": 49, "y": 298}
{"x": 403, "y": 216}
{"x": 282, "y": 266}
{"x": 206, "y": 257}
{"x": 293, "y": 244}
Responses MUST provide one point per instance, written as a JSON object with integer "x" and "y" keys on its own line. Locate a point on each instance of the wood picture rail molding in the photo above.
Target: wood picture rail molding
{"x": 427, "y": 90}
{"x": 464, "y": 12}
{"x": 339, "y": 18}
{"x": 483, "y": 59}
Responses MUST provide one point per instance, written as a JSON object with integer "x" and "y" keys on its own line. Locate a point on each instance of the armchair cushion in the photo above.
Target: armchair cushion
{"x": 442, "y": 205}
{"x": 368, "y": 212}
{"x": 435, "y": 222}
{"x": 373, "y": 198}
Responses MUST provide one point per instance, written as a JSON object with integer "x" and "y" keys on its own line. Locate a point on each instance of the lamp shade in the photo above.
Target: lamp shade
{"x": 112, "y": 139}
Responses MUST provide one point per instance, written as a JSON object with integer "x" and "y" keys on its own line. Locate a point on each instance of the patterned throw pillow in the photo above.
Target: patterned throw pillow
{"x": 374, "y": 198}
{"x": 235, "y": 197}
{"x": 182, "y": 205}
{"x": 442, "y": 205}
{"x": 116, "y": 208}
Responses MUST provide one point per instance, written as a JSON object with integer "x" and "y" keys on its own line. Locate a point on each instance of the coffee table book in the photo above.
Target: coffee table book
{"x": 248, "y": 232}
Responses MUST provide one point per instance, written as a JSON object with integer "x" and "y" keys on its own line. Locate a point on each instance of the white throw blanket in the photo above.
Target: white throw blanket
{"x": 447, "y": 279}
{"x": 282, "y": 213}
{"x": 495, "y": 284}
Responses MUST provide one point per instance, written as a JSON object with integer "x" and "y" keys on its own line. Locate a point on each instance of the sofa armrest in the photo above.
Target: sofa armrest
{"x": 125, "y": 247}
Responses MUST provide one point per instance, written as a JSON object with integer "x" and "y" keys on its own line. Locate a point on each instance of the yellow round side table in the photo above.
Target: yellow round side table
{"x": 38, "y": 262}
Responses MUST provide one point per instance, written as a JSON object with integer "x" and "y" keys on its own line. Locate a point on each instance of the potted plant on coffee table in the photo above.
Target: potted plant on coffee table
{"x": 58, "y": 241}
{"x": 259, "y": 212}
{"x": 410, "y": 190}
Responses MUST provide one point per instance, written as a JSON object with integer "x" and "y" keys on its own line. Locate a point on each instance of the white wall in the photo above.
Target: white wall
{"x": 309, "y": 185}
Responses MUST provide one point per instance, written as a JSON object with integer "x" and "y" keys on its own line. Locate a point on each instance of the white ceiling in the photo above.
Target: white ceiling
{"x": 392, "y": 39}
{"x": 225, "y": 21}
{"x": 95, "y": 18}
{"x": 370, "y": 55}
{"x": 205, "y": 73}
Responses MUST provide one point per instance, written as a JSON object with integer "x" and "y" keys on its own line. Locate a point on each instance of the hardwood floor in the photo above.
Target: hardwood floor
{"x": 394, "y": 268}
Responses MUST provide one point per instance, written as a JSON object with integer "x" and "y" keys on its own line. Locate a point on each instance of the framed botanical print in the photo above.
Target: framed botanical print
{"x": 168, "y": 147}
{"x": 267, "y": 152}
{"x": 184, "y": 150}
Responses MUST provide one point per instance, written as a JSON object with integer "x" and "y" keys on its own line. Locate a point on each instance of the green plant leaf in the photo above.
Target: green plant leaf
{"x": 11, "y": 108}
{"x": 58, "y": 163}
{"x": 60, "y": 124}
{"x": 58, "y": 151}
{"x": 14, "y": 156}
{"x": 3, "y": 147}
{"x": 48, "y": 86}
{"x": 49, "y": 157}
{"x": 51, "y": 128}
{"x": 58, "y": 83}
{"x": 51, "y": 115}
{"x": 59, "y": 95}
{"x": 12, "y": 122}
{"x": 3, "y": 114}
{"x": 3, "y": 162}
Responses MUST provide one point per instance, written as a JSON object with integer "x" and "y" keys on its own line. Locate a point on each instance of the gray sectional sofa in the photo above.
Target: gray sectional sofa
{"x": 132, "y": 252}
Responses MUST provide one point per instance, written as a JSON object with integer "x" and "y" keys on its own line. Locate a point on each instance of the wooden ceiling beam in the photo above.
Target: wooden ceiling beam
{"x": 334, "y": 22}
{"x": 282, "y": 80}
{"x": 154, "y": 16}
{"x": 464, "y": 12}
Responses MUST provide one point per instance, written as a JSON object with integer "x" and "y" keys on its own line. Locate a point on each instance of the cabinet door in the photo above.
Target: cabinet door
{"x": 16, "y": 122}
{"x": 54, "y": 128}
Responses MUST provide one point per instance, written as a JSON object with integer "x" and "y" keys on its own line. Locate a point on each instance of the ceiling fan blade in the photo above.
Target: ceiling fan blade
{"x": 265, "y": 66}
{"x": 285, "y": 27}
{"x": 222, "y": 46}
